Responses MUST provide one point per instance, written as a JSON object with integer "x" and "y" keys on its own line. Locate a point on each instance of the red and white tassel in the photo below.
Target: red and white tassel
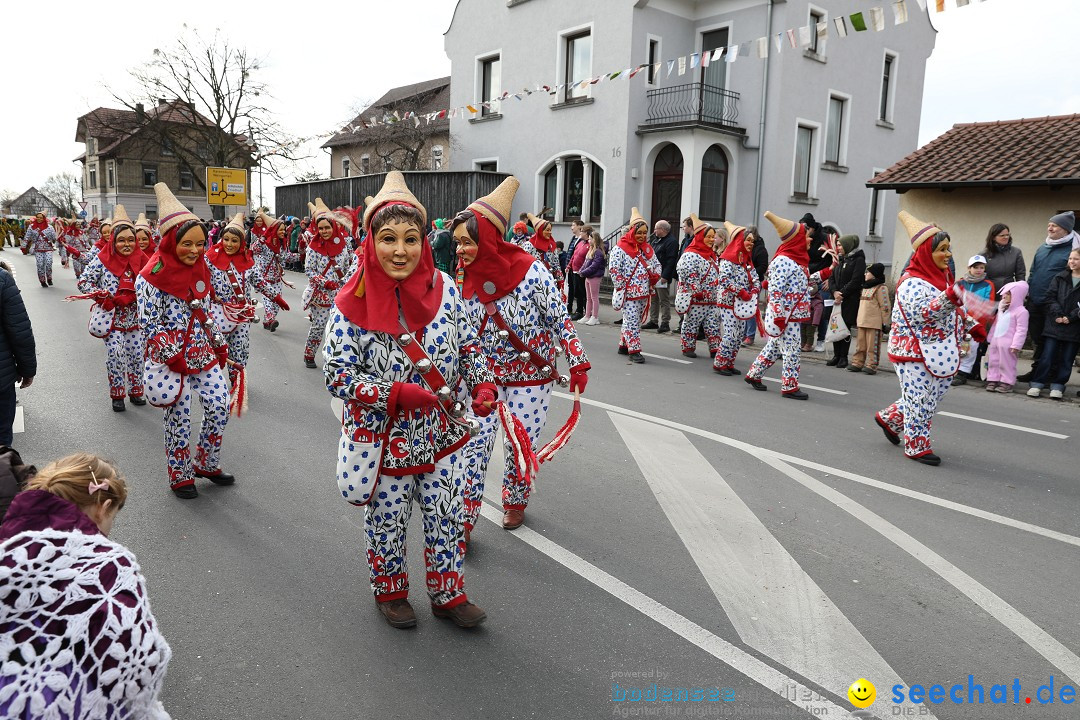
{"x": 239, "y": 404}
{"x": 558, "y": 442}
{"x": 524, "y": 457}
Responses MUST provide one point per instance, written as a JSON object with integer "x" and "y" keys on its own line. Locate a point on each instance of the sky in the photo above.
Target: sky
{"x": 993, "y": 60}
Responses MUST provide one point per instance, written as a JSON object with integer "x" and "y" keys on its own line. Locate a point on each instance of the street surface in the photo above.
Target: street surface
{"x": 694, "y": 534}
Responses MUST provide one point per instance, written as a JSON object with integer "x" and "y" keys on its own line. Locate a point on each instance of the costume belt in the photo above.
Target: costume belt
{"x": 525, "y": 353}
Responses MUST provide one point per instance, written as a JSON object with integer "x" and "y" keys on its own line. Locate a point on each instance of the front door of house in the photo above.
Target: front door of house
{"x": 667, "y": 186}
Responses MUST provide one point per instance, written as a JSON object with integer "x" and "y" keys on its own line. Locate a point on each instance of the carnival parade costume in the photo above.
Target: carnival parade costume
{"x": 788, "y": 281}
{"x": 699, "y": 282}
{"x": 542, "y": 247}
{"x": 523, "y": 326}
{"x": 109, "y": 280}
{"x": 397, "y": 351}
{"x": 738, "y": 296}
{"x": 40, "y": 241}
{"x": 185, "y": 353}
{"x": 924, "y": 340}
{"x": 78, "y": 243}
{"x": 634, "y": 270}
{"x": 327, "y": 264}
{"x": 271, "y": 253}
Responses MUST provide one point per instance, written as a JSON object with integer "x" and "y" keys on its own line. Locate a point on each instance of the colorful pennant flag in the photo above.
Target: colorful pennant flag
{"x": 941, "y": 5}
{"x": 670, "y": 67}
{"x": 693, "y": 60}
{"x": 717, "y": 54}
{"x": 762, "y": 47}
{"x": 841, "y": 26}
{"x": 778, "y": 41}
{"x": 682, "y": 65}
{"x": 823, "y": 29}
{"x": 899, "y": 9}
{"x": 705, "y": 58}
{"x": 858, "y": 22}
{"x": 877, "y": 19}
{"x": 805, "y": 35}
{"x": 791, "y": 38}
{"x": 732, "y": 53}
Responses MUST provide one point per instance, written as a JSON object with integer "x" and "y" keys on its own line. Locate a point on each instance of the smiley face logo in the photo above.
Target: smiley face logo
{"x": 862, "y": 693}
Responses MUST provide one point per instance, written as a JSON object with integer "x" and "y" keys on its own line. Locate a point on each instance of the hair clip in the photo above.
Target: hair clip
{"x": 95, "y": 485}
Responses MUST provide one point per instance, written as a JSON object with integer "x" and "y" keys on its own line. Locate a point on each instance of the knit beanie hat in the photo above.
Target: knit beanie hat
{"x": 878, "y": 271}
{"x": 1066, "y": 221}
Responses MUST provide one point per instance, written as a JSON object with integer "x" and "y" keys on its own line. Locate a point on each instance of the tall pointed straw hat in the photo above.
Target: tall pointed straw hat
{"x": 635, "y": 218}
{"x": 394, "y": 189}
{"x": 237, "y": 223}
{"x": 142, "y": 223}
{"x": 311, "y": 209}
{"x": 785, "y": 228}
{"x": 121, "y": 220}
{"x": 697, "y": 223}
{"x": 496, "y": 205}
{"x": 917, "y": 230}
{"x": 171, "y": 211}
{"x": 732, "y": 229}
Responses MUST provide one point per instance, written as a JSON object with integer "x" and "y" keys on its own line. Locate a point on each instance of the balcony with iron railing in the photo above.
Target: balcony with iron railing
{"x": 692, "y": 105}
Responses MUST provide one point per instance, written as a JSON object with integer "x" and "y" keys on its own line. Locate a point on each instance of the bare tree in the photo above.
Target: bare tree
{"x": 6, "y": 198}
{"x": 310, "y": 176}
{"x": 65, "y": 190}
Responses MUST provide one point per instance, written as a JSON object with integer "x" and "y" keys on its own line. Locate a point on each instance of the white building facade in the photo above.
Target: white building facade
{"x": 835, "y": 111}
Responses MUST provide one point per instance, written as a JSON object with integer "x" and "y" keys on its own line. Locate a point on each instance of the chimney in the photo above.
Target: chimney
{"x": 160, "y": 102}
{"x": 140, "y": 112}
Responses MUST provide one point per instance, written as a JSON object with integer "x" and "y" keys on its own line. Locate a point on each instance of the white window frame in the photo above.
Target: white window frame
{"x": 890, "y": 99}
{"x": 91, "y": 176}
{"x": 346, "y": 167}
{"x": 814, "y": 160}
{"x": 191, "y": 182}
{"x": 699, "y": 43}
{"x": 845, "y": 128}
{"x": 879, "y": 211}
{"x": 821, "y": 42}
{"x": 649, "y": 40}
{"x": 437, "y": 159}
{"x": 477, "y": 162}
{"x": 365, "y": 164}
{"x": 478, "y": 82}
{"x": 560, "y": 61}
{"x": 110, "y": 174}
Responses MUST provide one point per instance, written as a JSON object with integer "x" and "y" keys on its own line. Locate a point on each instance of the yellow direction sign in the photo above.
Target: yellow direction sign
{"x": 226, "y": 186}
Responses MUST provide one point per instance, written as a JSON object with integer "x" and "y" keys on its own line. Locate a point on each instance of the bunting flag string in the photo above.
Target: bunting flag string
{"x": 842, "y": 25}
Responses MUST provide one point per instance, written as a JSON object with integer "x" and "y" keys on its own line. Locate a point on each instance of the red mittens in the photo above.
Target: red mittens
{"x": 281, "y": 302}
{"x": 411, "y": 397}
{"x": 222, "y": 355}
{"x": 177, "y": 364}
{"x": 978, "y": 333}
{"x": 745, "y": 295}
{"x": 578, "y": 380}
{"x": 73, "y": 252}
{"x": 483, "y": 399}
{"x": 955, "y": 297}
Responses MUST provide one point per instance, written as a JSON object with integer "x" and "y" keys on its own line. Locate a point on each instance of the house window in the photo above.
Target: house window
{"x": 715, "y": 75}
{"x": 490, "y": 85}
{"x": 888, "y": 74}
{"x": 149, "y": 175}
{"x": 436, "y": 157}
{"x": 578, "y": 65}
{"x": 877, "y": 207}
{"x": 167, "y": 147}
{"x": 110, "y": 169}
{"x": 387, "y": 164}
{"x": 203, "y": 151}
{"x": 93, "y": 211}
{"x": 92, "y": 177}
{"x": 573, "y": 188}
{"x": 151, "y": 212}
{"x": 344, "y": 167}
{"x": 834, "y": 130}
{"x": 596, "y": 206}
{"x": 804, "y": 146}
{"x": 714, "y": 176}
{"x": 91, "y": 146}
{"x": 816, "y": 46}
{"x": 365, "y": 164}
{"x": 488, "y": 166}
{"x": 187, "y": 180}
{"x": 551, "y": 189}
{"x": 654, "y": 57}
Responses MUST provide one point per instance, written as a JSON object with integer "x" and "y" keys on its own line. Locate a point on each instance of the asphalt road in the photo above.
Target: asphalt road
{"x": 695, "y": 534}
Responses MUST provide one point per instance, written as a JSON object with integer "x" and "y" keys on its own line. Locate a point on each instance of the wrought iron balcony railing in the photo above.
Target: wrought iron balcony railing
{"x": 693, "y": 103}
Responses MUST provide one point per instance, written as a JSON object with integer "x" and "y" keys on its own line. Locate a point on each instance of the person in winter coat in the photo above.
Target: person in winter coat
{"x": 1051, "y": 258}
{"x": 1061, "y": 336}
{"x": 847, "y": 291}
{"x": 18, "y": 357}
{"x": 593, "y": 272}
{"x": 663, "y": 294}
{"x": 979, "y": 304}
{"x": 442, "y": 248}
{"x": 1004, "y": 261}
{"x": 874, "y": 314}
{"x": 80, "y": 640}
{"x": 1006, "y": 338}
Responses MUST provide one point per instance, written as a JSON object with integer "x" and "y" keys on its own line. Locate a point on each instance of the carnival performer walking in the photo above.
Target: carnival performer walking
{"x": 788, "y": 279}
{"x": 144, "y": 235}
{"x": 185, "y": 352}
{"x": 738, "y": 296}
{"x": 634, "y": 270}
{"x": 699, "y": 282}
{"x": 40, "y": 240}
{"x": 109, "y": 280}
{"x": 271, "y": 252}
{"x": 328, "y": 264}
{"x": 398, "y": 345}
{"x": 78, "y": 243}
{"x": 542, "y": 247}
{"x": 523, "y": 327}
{"x": 232, "y": 273}
{"x": 924, "y": 340}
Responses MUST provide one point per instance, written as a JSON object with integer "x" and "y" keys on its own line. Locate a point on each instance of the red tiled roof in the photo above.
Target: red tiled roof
{"x": 111, "y": 126}
{"x": 1032, "y": 151}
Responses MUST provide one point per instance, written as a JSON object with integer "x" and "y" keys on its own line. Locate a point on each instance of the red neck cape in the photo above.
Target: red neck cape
{"x": 242, "y": 260}
{"x": 793, "y": 245}
{"x": 539, "y": 241}
{"x": 116, "y": 263}
{"x": 269, "y": 235}
{"x": 922, "y": 266}
{"x": 698, "y": 246}
{"x": 631, "y": 246}
{"x": 371, "y": 298}
{"x": 499, "y": 266}
{"x": 39, "y": 225}
{"x": 735, "y": 252}
{"x": 337, "y": 242}
{"x": 174, "y": 277}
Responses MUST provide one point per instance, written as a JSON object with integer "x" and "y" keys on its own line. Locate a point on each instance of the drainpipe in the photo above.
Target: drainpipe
{"x": 761, "y": 122}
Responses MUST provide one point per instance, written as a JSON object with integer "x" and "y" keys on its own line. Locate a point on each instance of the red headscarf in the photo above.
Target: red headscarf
{"x": 735, "y": 252}
{"x": 631, "y": 246}
{"x": 539, "y": 241}
{"x": 499, "y": 266}
{"x": 117, "y": 264}
{"x": 793, "y": 245}
{"x": 39, "y": 225}
{"x": 337, "y": 242}
{"x": 698, "y": 246}
{"x": 370, "y": 298}
{"x": 167, "y": 273}
{"x": 269, "y": 235}
{"x": 922, "y": 266}
{"x": 242, "y": 260}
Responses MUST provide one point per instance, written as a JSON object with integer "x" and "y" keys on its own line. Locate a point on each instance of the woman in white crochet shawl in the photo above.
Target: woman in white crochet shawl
{"x": 77, "y": 638}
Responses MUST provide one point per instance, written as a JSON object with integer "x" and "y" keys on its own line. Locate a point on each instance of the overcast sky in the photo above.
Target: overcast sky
{"x": 995, "y": 60}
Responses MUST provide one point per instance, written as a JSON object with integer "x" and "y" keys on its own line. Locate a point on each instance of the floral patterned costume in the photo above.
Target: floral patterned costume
{"x": 699, "y": 284}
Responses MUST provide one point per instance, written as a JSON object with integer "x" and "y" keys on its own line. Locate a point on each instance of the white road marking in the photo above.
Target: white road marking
{"x": 665, "y": 357}
{"x": 799, "y": 627}
{"x": 995, "y": 423}
{"x": 1039, "y": 640}
{"x": 19, "y": 425}
{"x": 761, "y": 452}
{"x": 741, "y": 661}
{"x": 808, "y": 387}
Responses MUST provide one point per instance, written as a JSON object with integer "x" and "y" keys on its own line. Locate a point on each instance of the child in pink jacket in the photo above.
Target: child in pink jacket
{"x": 1006, "y": 338}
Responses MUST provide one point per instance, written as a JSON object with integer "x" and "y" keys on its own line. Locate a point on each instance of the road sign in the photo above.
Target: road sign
{"x": 82, "y": 213}
{"x": 226, "y": 186}
{"x": 83, "y": 204}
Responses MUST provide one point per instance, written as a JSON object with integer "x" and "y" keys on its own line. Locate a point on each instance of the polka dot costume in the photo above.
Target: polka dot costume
{"x": 122, "y": 334}
{"x": 325, "y": 275}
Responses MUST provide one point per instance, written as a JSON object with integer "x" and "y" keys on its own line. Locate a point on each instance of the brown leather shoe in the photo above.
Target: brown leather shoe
{"x": 468, "y": 534}
{"x": 513, "y": 518}
{"x": 465, "y": 615}
{"x": 398, "y": 613}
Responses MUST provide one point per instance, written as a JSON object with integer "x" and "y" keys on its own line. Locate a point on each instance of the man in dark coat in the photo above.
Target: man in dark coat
{"x": 18, "y": 359}
{"x": 667, "y": 252}
{"x": 847, "y": 291}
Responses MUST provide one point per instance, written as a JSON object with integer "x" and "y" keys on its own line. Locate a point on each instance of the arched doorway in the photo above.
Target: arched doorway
{"x": 667, "y": 186}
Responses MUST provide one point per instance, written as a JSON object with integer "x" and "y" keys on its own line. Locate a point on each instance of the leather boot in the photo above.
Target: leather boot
{"x": 398, "y": 613}
{"x": 217, "y": 477}
{"x": 118, "y": 405}
{"x": 465, "y": 615}
{"x": 186, "y": 492}
{"x": 137, "y": 400}
{"x": 513, "y": 518}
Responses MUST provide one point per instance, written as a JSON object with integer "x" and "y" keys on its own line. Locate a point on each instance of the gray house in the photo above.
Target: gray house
{"x": 799, "y": 131}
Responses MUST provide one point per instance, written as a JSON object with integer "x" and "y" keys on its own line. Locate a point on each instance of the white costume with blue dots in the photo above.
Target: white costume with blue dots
{"x": 124, "y": 342}
{"x": 271, "y": 266}
{"x": 632, "y": 278}
{"x": 325, "y": 275}
{"x": 734, "y": 279}
{"x": 699, "y": 285}
{"x": 535, "y": 311}
{"x": 41, "y": 244}
{"x": 419, "y": 451}
{"x": 232, "y": 299}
